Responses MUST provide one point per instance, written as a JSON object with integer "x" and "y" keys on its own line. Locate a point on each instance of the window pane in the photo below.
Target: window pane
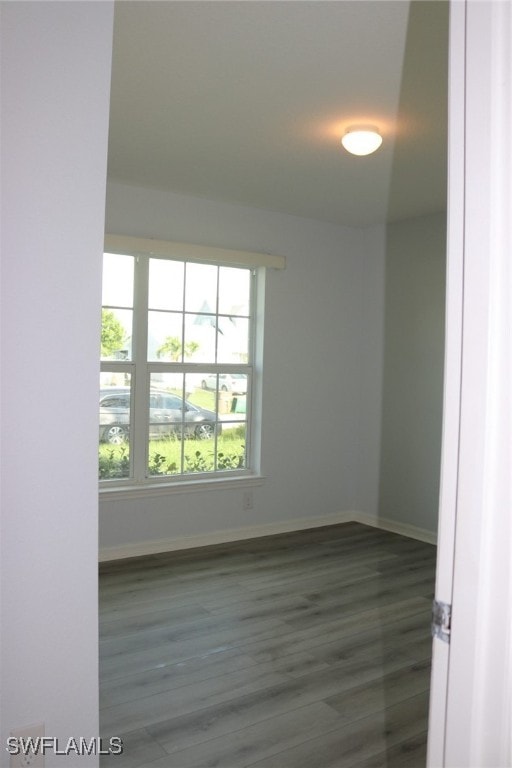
{"x": 175, "y": 421}
{"x": 165, "y": 336}
{"x": 200, "y": 333}
{"x": 234, "y": 291}
{"x": 193, "y": 388}
{"x": 166, "y": 412}
{"x": 201, "y": 288}
{"x": 166, "y": 284}
{"x": 233, "y": 340}
{"x": 117, "y": 290}
{"x": 231, "y": 447}
{"x": 114, "y": 425}
{"x": 198, "y": 391}
{"x": 228, "y": 390}
{"x": 228, "y": 453}
{"x": 116, "y": 334}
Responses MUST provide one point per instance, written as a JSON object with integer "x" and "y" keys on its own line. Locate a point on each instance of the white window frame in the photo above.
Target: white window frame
{"x": 140, "y": 483}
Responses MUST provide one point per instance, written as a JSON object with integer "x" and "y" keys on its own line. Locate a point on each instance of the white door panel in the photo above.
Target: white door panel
{"x": 471, "y": 695}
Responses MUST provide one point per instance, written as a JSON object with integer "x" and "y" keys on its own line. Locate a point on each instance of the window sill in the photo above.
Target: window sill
{"x": 126, "y": 492}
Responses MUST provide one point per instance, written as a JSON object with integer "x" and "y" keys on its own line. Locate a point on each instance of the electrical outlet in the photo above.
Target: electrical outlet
{"x": 29, "y": 753}
{"x": 247, "y": 500}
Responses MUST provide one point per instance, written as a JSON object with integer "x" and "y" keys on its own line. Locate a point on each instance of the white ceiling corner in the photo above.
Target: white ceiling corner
{"x": 246, "y": 102}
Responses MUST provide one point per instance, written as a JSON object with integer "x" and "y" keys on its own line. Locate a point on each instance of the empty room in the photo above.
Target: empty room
{"x": 265, "y": 592}
{"x": 265, "y": 458}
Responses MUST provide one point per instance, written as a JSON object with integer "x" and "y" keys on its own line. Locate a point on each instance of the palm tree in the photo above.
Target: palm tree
{"x": 173, "y": 348}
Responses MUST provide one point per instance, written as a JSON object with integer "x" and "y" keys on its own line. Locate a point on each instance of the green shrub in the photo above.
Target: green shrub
{"x": 113, "y": 462}
{"x": 165, "y": 456}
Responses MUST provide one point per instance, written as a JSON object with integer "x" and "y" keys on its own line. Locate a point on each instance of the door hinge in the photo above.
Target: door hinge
{"x": 441, "y": 620}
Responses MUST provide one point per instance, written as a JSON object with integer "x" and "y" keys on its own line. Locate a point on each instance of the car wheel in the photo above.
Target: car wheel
{"x": 203, "y": 384}
{"x": 204, "y": 431}
{"x": 223, "y": 388}
{"x": 116, "y": 435}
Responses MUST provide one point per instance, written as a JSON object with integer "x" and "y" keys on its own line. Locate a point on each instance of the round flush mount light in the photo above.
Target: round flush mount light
{"x": 361, "y": 140}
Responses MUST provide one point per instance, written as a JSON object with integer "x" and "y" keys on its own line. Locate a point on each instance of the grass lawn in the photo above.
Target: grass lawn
{"x": 203, "y": 398}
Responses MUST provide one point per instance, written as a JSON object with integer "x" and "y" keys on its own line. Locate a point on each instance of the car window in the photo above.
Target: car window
{"x": 115, "y": 401}
{"x": 172, "y": 403}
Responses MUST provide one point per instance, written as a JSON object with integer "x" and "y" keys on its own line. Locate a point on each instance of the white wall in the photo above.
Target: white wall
{"x": 55, "y": 90}
{"x": 412, "y": 398}
{"x": 322, "y": 362}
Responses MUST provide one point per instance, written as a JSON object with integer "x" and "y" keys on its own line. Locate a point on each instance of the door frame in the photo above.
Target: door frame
{"x": 471, "y": 686}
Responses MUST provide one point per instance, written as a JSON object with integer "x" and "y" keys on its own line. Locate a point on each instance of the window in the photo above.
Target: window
{"x": 177, "y": 369}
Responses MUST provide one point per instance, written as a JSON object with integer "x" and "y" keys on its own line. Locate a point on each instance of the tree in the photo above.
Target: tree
{"x": 172, "y": 348}
{"x": 113, "y": 335}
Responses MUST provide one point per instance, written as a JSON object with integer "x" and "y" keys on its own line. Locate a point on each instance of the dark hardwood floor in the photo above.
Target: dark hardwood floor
{"x": 303, "y": 650}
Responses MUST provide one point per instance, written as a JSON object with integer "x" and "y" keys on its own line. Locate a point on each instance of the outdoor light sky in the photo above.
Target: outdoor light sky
{"x": 361, "y": 140}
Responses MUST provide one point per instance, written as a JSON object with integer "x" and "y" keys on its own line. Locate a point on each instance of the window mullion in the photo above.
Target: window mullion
{"x": 141, "y": 384}
{"x": 253, "y": 387}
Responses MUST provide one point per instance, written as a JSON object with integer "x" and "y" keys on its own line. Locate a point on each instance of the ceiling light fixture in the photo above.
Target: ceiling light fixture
{"x": 361, "y": 140}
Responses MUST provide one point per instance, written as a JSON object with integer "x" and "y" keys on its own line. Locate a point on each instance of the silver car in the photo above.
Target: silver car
{"x": 169, "y": 416}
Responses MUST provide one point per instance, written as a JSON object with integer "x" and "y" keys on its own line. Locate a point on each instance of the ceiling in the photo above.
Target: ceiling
{"x": 246, "y": 102}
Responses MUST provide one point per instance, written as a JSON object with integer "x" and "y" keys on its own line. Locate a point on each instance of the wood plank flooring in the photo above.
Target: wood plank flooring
{"x": 303, "y": 650}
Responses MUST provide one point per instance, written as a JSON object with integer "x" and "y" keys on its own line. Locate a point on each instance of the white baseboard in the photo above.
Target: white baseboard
{"x": 222, "y": 537}
{"x": 394, "y": 526}
{"x": 253, "y": 532}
